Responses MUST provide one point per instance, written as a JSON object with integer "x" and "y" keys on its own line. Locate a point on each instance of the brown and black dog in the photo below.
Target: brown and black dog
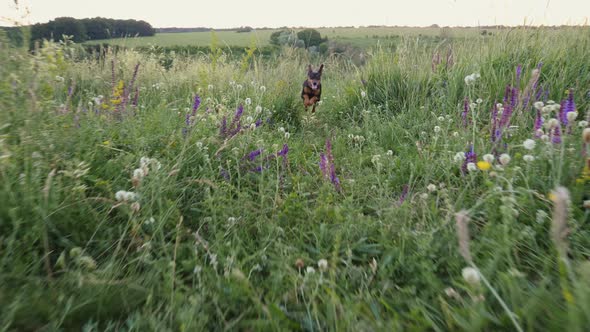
{"x": 312, "y": 88}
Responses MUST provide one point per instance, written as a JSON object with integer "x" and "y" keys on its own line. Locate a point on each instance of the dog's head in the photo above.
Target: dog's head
{"x": 314, "y": 77}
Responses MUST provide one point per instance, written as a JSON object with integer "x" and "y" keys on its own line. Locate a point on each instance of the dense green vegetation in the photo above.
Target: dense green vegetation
{"x": 150, "y": 191}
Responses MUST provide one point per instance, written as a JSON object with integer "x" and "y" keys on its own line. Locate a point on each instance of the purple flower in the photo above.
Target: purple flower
{"x": 567, "y": 106}
{"x": 196, "y": 104}
{"x": 187, "y": 119}
{"x": 223, "y": 127}
{"x": 324, "y": 165}
{"x": 252, "y": 155}
{"x": 465, "y": 113}
{"x": 136, "y": 97}
{"x": 404, "y": 194}
{"x": 284, "y": 151}
{"x": 518, "y": 74}
{"x": 556, "y": 135}
{"x": 538, "y": 124}
{"x": 470, "y": 157}
{"x": 258, "y": 123}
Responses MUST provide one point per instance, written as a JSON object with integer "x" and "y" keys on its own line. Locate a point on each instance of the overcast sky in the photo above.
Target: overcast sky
{"x": 312, "y": 13}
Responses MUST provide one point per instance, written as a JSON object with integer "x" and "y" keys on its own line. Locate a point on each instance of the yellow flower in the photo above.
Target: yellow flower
{"x": 552, "y": 196}
{"x": 106, "y": 143}
{"x": 484, "y": 165}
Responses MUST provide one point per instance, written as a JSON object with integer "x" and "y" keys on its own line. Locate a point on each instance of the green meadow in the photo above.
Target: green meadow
{"x": 360, "y": 37}
{"x": 441, "y": 186}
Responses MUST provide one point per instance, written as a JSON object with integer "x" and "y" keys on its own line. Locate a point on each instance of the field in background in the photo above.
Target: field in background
{"x": 442, "y": 186}
{"x": 359, "y": 37}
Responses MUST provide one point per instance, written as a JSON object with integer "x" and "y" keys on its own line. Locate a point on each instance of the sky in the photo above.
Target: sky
{"x": 309, "y": 13}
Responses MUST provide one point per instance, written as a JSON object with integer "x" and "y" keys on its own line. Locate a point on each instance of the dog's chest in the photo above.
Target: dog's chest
{"x": 310, "y": 92}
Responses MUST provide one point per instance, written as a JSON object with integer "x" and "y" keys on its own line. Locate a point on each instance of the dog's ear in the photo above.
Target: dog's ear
{"x": 309, "y": 70}
{"x": 321, "y": 68}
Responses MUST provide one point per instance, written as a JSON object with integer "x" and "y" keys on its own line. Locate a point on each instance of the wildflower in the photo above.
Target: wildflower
{"x": 528, "y": 158}
{"x": 586, "y": 204}
{"x": 471, "y": 275}
{"x": 299, "y": 263}
{"x": 538, "y": 105}
{"x": 529, "y": 144}
{"x": 583, "y": 124}
{"x": 471, "y": 167}
{"x": 479, "y": 101}
{"x": 452, "y": 293}
{"x": 459, "y": 157}
{"x": 323, "y": 265}
{"x": 489, "y": 158}
{"x": 363, "y": 94}
{"x": 239, "y": 87}
{"x": 455, "y": 134}
{"x": 287, "y": 135}
{"x": 262, "y": 88}
{"x": 556, "y": 135}
{"x": 248, "y": 101}
{"x": 469, "y": 162}
{"x": 424, "y": 196}
{"x": 431, "y": 187}
{"x": 436, "y": 129}
{"x": 484, "y": 165}
{"x": 441, "y": 118}
{"x": 310, "y": 270}
{"x": 258, "y": 109}
{"x": 389, "y": 152}
{"x": 124, "y": 196}
{"x": 59, "y": 78}
{"x": 504, "y": 159}
{"x": 282, "y": 129}
{"x": 586, "y": 135}
{"x": 465, "y": 113}
{"x": 249, "y": 119}
{"x": 138, "y": 173}
{"x": 572, "y": 116}
{"x": 210, "y": 87}
{"x": 231, "y": 220}
{"x": 404, "y": 194}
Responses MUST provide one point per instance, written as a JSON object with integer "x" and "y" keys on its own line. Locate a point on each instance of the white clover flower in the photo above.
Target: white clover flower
{"x": 436, "y": 129}
{"x": 138, "y": 173}
{"x": 249, "y": 119}
{"x": 252, "y": 126}
{"x": 239, "y": 86}
{"x": 479, "y": 100}
{"x": 489, "y": 158}
{"x": 441, "y": 118}
{"x": 248, "y": 101}
{"x": 528, "y": 158}
{"x": 431, "y": 187}
{"x": 529, "y": 144}
{"x": 572, "y": 116}
{"x": 375, "y": 158}
{"x": 583, "y": 124}
{"x": 550, "y": 102}
{"x": 471, "y": 275}
{"x": 323, "y": 265}
{"x": 199, "y": 145}
{"x": 59, "y": 78}
{"x": 310, "y": 270}
{"x": 262, "y": 88}
{"x": 210, "y": 87}
{"x": 389, "y": 152}
{"x": 545, "y": 138}
{"x": 459, "y": 157}
{"x": 455, "y": 134}
{"x": 231, "y": 220}
{"x": 504, "y": 159}
{"x": 282, "y": 129}
{"x": 473, "y": 105}
{"x": 258, "y": 109}
{"x": 120, "y": 195}
{"x": 499, "y": 106}
{"x": 552, "y": 123}
{"x": 424, "y": 196}
{"x": 363, "y": 94}
{"x": 287, "y": 135}
{"x": 471, "y": 167}
{"x": 538, "y": 105}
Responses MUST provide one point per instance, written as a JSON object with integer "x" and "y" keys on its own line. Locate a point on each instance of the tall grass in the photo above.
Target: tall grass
{"x": 220, "y": 239}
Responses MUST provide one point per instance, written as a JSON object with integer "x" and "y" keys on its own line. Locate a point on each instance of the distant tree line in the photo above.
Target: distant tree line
{"x": 82, "y": 30}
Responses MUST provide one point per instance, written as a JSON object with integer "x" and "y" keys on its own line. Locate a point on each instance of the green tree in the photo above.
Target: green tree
{"x": 311, "y": 37}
